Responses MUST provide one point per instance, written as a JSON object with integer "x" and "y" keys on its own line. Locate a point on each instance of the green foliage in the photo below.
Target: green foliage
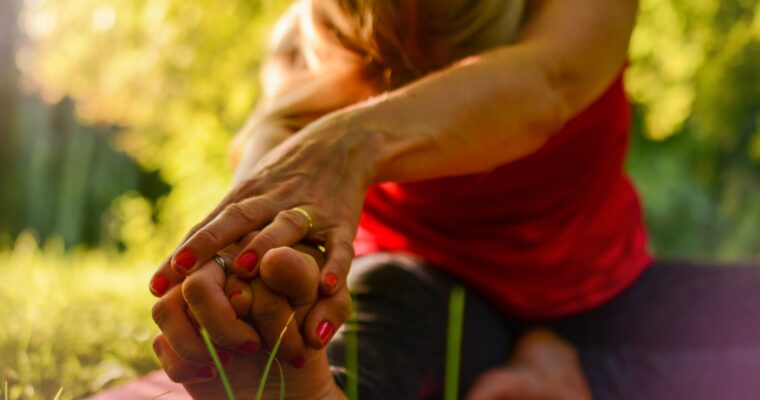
{"x": 695, "y": 74}
{"x": 80, "y": 321}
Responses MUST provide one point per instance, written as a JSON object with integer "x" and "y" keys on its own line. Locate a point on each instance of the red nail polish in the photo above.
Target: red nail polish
{"x": 250, "y": 347}
{"x": 324, "y": 331}
{"x": 331, "y": 280}
{"x": 205, "y": 372}
{"x": 185, "y": 259}
{"x": 297, "y": 362}
{"x": 224, "y": 357}
{"x": 248, "y": 260}
{"x": 234, "y": 293}
{"x": 159, "y": 285}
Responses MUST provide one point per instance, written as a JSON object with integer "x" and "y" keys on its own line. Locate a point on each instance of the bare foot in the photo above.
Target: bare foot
{"x": 543, "y": 367}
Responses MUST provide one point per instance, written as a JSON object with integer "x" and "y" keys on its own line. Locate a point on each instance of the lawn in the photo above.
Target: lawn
{"x": 78, "y": 321}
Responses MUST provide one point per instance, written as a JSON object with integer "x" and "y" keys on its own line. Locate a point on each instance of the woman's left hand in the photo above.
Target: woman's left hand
{"x": 309, "y": 188}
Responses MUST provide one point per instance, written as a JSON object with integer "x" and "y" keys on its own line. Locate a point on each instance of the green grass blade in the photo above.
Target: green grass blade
{"x": 454, "y": 342}
{"x": 218, "y": 364}
{"x": 58, "y": 395}
{"x": 352, "y": 359}
{"x": 268, "y": 366}
{"x": 282, "y": 379}
{"x": 6, "y": 390}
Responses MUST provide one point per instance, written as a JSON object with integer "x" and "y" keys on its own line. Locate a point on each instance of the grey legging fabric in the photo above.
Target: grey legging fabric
{"x": 682, "y": 332}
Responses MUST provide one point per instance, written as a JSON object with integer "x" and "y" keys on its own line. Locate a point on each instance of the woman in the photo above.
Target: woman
{"x": 474, "y": 141}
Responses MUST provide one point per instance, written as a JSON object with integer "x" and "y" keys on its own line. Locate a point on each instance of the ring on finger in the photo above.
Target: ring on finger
{"x": 223, "y": 264}
{"x": 305, "y": 214}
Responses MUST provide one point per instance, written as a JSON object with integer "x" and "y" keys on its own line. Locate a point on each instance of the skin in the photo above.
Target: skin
{"x": 323, "y": 156}
{"x": 265, "y": 303}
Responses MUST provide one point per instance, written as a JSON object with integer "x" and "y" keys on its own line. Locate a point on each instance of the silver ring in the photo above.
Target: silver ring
{"x": 221, "y": 263}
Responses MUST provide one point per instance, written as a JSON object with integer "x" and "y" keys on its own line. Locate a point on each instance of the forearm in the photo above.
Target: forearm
{"x": 501, "y": 105}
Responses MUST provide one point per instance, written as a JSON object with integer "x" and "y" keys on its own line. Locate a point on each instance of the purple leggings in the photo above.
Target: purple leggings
{"x": 682, "y": 331}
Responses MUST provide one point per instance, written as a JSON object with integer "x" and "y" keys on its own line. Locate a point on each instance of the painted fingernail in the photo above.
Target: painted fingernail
{"x": 250, "y": 347}
{"x": 247, "y": 260}
{"x": 331, "y": 279}
{"x": 159, "y": 285}
{"x": 205, "y": 372}
{"x": 324, "y": 331}
{"x": 234, "y": 293}
{"x": 185, "y": 259}
{"x": 224, "y": 357}
{"x": 297, "y": 362}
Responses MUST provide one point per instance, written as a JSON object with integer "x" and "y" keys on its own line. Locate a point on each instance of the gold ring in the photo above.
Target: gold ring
{"x": 305, "y": 214}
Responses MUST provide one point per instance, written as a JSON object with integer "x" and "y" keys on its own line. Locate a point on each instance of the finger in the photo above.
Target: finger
{"x": 176, "y": 368}
{"x": 239, "y": 294}
{"x": 164, "y": 278}
{"x": 228, "y": 226}
{"x": 314, "y": 251}
{"x": 287, "y": 229}
{"x": 340, "y": 253}
{"x": 204, "y": 293}
{"x": 292, "y": 274}
{"x": 169, "y": 314}
{"x": 270, "y": 313}
{"x": 325, "y": 317}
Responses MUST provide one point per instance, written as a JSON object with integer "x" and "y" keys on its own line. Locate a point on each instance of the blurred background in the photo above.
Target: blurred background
{"x": 116, "y": 116}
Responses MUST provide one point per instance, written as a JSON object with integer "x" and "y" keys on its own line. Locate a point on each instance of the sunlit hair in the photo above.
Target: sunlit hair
{"x": 355, "y": 49}
{"x": 400, "y": 40}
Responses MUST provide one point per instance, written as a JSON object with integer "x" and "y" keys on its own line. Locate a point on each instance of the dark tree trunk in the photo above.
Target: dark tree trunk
{"x": 8, "y": 96}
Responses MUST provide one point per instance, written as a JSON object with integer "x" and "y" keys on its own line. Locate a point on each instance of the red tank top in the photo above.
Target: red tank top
{"x": 553, "y": 233}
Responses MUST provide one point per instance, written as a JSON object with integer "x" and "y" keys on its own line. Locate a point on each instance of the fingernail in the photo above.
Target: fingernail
{"x": 159, "y": 285}
{"x": 324, "y": 330}
{"x": 248, "y": 260}
{"x": 297, "y": 362}
{"x": 224, "y": 357}
{"x": 234, "y": 293}
{"x": 331, "y": 280}
{"x": 250, "y": 347}
{"x": 205, "y": 372}
{"x": 185, "y": 259}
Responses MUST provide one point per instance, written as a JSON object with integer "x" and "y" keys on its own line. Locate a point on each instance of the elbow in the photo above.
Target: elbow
{"x": 551, "y": 112}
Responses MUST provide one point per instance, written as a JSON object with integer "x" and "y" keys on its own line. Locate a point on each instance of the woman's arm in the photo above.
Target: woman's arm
{"x": 502, "y": 105}
{"x": 297, "y": 88}
{"x": 312, "y": 185}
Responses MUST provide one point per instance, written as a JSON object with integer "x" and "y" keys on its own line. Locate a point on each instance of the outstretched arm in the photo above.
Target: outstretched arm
{"x": 511, "y": 99}
{"x": 449, "y": 123}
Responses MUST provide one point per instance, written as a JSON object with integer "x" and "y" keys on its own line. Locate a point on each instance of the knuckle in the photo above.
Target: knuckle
{"x": 294, "y": 220}
{"x": 188, "y": 352}
{"x": 222, "y": 337}
{"x": 240, "y": 212}
{"x": 193, "y": 291}
{"x": 159, "y": 312}
{"x": 343, "y": 305}
{"x": 265, "y": 240}
{"x": 209, "y": 236}
{"x": 267, "y": 310}
{"x": 343, "y": 251}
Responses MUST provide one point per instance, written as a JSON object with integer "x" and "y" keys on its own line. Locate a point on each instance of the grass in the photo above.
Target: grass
{"x": 80, "y": 321}
{"x": 74, "y": 324}
{"x": 215, "y": 357}
{"x": 454, "y": 343}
